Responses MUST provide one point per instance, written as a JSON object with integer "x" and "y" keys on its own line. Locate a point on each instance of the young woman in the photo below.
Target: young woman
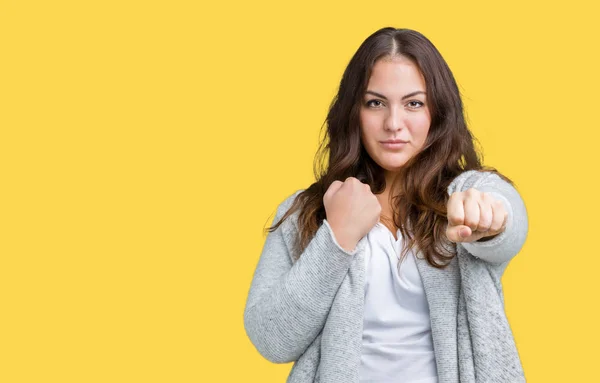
{"x": 388, "y": 268}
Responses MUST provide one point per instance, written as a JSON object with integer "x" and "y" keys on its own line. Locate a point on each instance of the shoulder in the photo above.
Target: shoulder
{"x": 287, "y": 202}
{"x": 289, "y": 227}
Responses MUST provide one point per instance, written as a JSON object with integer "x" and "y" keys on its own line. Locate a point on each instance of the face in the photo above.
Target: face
{"x": 394, "y": 108}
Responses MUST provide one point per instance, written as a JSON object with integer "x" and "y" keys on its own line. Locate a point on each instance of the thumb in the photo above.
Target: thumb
{"x": 458, "y": 233}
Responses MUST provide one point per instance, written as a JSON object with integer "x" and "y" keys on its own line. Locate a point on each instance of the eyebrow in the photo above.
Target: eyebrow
{"x": 403, "y": 97}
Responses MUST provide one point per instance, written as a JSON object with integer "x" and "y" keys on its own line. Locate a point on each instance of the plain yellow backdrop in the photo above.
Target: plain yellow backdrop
{"x": 146, "y": 144}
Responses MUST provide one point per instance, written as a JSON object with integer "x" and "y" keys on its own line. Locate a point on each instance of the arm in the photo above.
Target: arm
{"x": 288, "y": 303}
{"x": 504, "y": 246}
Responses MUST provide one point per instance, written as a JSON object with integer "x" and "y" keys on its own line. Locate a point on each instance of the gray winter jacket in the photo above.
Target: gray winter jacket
{"x": 310, "y": 311}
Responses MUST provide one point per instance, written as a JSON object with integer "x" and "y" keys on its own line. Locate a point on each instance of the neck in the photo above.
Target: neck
{"x": 390, "y": 179}
{"x": 385, "y": 198}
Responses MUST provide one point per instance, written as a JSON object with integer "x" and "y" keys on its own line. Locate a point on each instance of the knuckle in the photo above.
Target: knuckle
{"x": 487, "y": 213}
{"x": 486, "y": 225}
{"x": 471, "y": 192}
{"x": 500, "y": 210}
{"x": 455, "y": 219}
{"x": 456, "y": 195}
{"x": 484, "y": 220}
{"x": 330, "y": 189}
{"x": 471, "y": 223}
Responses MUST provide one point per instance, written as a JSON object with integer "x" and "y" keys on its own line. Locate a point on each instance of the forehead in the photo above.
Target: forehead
{"x": 397, "y": 74}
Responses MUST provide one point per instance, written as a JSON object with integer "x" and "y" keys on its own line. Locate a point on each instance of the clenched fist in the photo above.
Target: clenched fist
{"x": 351, "y": 209}
{"x": 473, "y": 215}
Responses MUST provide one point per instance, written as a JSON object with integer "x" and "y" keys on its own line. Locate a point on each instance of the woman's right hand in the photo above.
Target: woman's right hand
{"x": 352, "y": 210}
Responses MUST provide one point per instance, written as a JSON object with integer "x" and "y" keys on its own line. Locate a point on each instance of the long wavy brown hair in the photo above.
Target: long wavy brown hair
{"x": 420, "y": 192}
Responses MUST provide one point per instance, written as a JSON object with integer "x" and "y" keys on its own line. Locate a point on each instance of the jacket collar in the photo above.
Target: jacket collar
{"x": 442, "y": 291}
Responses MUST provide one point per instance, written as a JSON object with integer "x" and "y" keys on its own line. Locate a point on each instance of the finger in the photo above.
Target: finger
{"x": 455, "y": 210}
{"x": 352, "y": 180}
{"x": 472, "y": 214}
{"x": 486, "y": 214}
{"x": 350, "y": 183}
{"x": 500, "y": 216}
{"x": 458, "y": 233}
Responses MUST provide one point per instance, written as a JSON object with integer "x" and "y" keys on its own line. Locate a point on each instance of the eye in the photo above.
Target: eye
{"x": 374, "y": 103}
{"x": 415, "y": 104}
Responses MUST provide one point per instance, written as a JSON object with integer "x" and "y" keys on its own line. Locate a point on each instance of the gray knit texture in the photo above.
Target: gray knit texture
{"x": 310, "y": 311}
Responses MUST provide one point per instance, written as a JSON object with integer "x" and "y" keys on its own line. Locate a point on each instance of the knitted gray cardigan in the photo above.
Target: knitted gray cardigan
{"x": 310, "y": 311}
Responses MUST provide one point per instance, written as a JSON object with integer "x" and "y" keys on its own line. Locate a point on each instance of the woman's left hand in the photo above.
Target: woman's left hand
{"x": 473, "y": 215}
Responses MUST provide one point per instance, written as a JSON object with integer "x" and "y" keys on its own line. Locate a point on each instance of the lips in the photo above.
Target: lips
{"x": 394, "y": 145}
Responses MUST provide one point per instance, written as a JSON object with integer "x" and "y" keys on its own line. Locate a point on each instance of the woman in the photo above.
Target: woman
{"x": 388, "y": 268}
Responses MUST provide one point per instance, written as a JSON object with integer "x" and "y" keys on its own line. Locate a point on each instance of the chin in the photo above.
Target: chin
{"x": 393, "y": 165}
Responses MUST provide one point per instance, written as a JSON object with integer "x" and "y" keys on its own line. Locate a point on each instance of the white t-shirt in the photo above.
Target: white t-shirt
{"x": 396, "y": 343}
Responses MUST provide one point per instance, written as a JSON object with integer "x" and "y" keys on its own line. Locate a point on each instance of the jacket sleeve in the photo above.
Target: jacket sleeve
{"x": 507, "y": 244}
{"x": 288, "y": 302}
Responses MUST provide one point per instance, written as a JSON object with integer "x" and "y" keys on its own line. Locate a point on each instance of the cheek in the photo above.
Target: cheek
{"x": 420, "y": 127}
{"x": 368, "y": 127}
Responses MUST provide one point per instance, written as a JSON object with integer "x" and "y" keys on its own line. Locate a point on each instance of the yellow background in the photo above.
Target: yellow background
{"x": 146, "y": 144}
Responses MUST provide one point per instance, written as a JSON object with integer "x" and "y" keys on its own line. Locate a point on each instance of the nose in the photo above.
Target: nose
{"x": 394, "y": 120}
